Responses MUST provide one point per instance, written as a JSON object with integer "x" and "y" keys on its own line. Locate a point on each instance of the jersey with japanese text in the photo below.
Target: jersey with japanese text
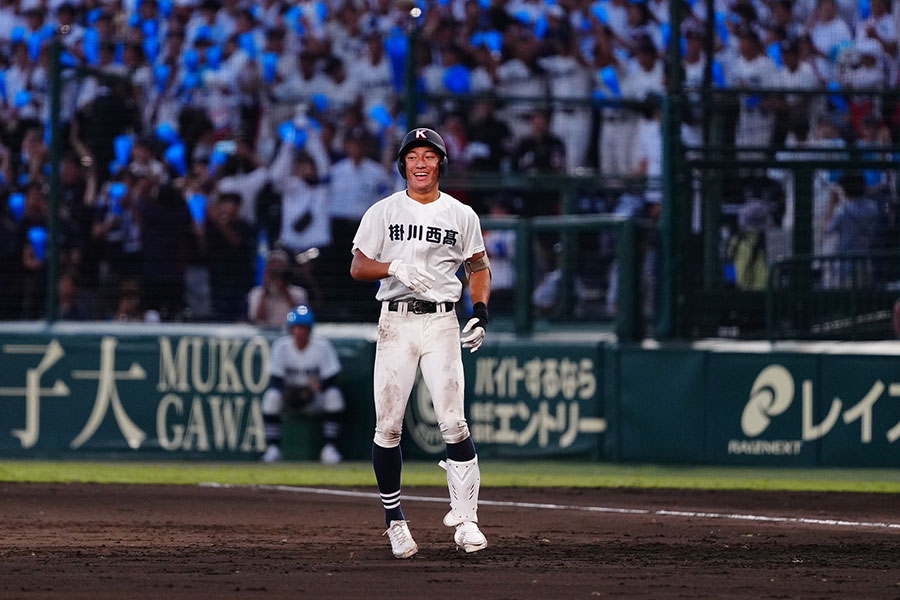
{"x": 435, "y": 237}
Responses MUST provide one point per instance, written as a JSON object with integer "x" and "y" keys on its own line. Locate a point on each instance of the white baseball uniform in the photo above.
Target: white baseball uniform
{"x": 437, "y": 238}
{"x": 305, "y": 368}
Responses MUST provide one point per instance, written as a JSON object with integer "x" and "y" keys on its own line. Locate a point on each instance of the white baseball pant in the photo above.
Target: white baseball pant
{"x": 431, "y": 342}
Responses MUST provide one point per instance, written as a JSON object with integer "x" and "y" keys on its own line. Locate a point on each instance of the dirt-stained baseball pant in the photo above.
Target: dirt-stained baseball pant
{"x": 430, "y": 341}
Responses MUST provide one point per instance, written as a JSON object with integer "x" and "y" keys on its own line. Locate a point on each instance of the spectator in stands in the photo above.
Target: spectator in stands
{"x": 167, "y": 234}
{"x": 881, "y": 28}
{"x": 484, "y": 73}
{"x": 305, "y": 200}
{"x": 541, "y": 151}
{"x": 694, "y": 59}
{"x": 72, "y": 306}
{"x": 520, "y": 76}
{"x": 230, "y": 245}
{"x": 270, "y": 302}
{"x": 824, "y": 135}
{"x": 617, "y": 17}
{"x": 306, "y": 82}
{"x": 243, "y": 173}
{"x": 29, "y": 164}
{"x": 644, "y": 76}
{"x": 822, "y": 67}
{"x": 357, "y": 182}
{"x": 747, "y": 249}
{"x": 130, "y": 307}
{"x": 867, "y": 72}
{"x": 343, "y": 88}
{"x": 643, "y": 79}
{"x": 453, "y": 131}
{"x": 752, "y": 69}
{"x": 791, "y": 111}
{"x": 617, "y": 124}
{"x": 641, "y": 26}
{"x": 115, "y": 237}
{"x": 144, "y": 163}
{"x": 328, "y": 135}
{"x": 345, "y": 32}
{"x": 569, "y": 78}
{"x": 138, "y": 71}
{"x": 830, "y": 34}
{"x": 32, "y": 239}
{"x": 489, "y": 138}
{"x": 648, "y": 158}
{"x": 783, "y": 18}
{"x": 66, "y": 21}
{"x": 374, "y": 73}
{"x": 857, "y": 221}
{"x": 205, "y": 22}
{"x": 874, "y": 134}
{"x": 17, "y": 76}
{"x": 305, "y": 219}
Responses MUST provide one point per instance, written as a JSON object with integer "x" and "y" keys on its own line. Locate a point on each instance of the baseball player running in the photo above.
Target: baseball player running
{"x": 414, "y": 242}
{"x": 302, "y": 369}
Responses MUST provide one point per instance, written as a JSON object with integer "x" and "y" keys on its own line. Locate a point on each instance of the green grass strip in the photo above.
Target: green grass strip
{"x": 541, "y": 474}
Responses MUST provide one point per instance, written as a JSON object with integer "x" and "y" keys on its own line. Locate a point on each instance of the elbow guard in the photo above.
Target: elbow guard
{"x": 479, "y": 264}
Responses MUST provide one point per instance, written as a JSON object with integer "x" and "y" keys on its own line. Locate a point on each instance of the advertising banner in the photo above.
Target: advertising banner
{"x": 859, "y": 411}
{"x": 762, "y": 409}
{"x": 151, "y": 396}
{"x": 523, "y": 399}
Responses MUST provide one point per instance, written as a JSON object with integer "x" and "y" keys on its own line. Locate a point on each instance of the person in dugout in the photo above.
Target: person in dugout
{"x": 303, "y": 368}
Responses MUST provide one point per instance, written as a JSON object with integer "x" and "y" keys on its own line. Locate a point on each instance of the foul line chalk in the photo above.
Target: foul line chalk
{"x": 595, "y": 509}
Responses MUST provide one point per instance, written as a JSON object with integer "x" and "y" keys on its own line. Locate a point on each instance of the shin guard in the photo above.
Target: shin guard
{"x": 464, "y": 481}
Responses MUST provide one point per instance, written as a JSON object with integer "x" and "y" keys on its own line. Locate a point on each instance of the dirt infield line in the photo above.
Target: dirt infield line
{"x": 832, "y": 522}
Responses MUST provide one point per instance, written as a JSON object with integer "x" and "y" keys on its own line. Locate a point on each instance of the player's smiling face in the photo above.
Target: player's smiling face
{"x": 422, "y": 169}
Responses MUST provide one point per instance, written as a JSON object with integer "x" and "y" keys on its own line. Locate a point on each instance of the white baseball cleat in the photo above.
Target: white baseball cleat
{"x": 330, "y": 455}
{"x": 272, "y": 454}
{"x": 469, "y": 537}
{"x": 402, "y": 544}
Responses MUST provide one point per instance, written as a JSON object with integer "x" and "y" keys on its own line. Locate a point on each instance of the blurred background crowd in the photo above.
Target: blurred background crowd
{"x": 217, "y": 154}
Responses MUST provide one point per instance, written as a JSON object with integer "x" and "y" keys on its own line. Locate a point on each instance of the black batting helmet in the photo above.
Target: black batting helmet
{"x": 422, "y": 136}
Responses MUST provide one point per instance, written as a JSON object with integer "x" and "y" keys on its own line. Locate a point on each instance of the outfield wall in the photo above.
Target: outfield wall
{"x": 177, "y": 391}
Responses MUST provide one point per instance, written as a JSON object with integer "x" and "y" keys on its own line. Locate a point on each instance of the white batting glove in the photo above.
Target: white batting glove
{"x": 416, "y": 280}
{"x": 474, "y": 331}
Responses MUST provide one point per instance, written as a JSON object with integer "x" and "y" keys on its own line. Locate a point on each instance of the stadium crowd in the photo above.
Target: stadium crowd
{"x": 203, "y": 133}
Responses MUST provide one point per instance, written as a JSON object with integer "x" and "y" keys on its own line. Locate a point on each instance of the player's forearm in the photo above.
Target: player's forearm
{"x": 480, "y": 286}
{"x": 364, "y": 268}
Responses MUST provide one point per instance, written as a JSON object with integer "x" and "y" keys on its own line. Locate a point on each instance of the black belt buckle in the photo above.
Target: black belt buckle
{"x": 421, "y": 307}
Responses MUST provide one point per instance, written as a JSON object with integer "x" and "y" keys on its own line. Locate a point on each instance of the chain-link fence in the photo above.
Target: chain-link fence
{"x": 776, "y": 185}
{"x": 207, "y": 172}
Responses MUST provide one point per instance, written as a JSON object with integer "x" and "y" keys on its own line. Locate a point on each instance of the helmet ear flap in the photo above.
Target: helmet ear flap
{"x": 443, "y": 167}
{"x": 401, "y": 166}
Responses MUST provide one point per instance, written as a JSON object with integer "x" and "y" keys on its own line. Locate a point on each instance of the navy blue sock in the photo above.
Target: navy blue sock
{"x": 463, "y": 451}
{"x": 272, "y": 425}
{"x": 388, "y": 464}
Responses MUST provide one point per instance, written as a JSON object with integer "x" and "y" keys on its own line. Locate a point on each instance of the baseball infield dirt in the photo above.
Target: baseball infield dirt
{"x": 117, "y": 541}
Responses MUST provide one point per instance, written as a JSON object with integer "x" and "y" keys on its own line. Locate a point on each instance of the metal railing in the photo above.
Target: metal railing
{"x": 843, "y": 296}
{"x": 626, "y": 317}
